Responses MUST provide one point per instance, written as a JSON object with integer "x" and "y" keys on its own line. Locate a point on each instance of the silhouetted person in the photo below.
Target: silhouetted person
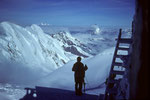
{"x": 79, "y": 75}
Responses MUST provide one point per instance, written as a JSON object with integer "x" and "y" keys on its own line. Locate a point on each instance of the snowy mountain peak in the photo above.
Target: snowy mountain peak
{"x": 71, "y": 44}
{"x": 36, "y": 28}
{"x": 30, "y": 46}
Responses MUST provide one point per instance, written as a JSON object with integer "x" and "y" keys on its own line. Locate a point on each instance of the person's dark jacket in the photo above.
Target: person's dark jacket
{"x": 79, "y": 70}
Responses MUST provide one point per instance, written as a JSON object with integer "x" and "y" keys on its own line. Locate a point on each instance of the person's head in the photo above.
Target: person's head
{"x": 78, "y": 59}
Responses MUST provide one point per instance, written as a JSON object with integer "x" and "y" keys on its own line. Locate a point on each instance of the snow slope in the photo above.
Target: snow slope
{"x": 4, "y": 97}
{"x": 63, "y": 77}
{"x": 11, "y": 92}
{"x": 98, "y": 70}
{"x": 27, "y": 51}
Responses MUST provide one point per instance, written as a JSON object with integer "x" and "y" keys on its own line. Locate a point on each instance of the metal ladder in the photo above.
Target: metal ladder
{"x": 112, "y": 82}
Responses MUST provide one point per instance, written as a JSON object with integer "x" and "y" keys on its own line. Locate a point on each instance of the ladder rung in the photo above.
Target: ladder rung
{"x": 120, "y": 56}
{"x": 118, "y": 72}
{"x": 117, "y": 64}
{"x": 112, "y": 84}
{"x": 121, "y": 48}
{"x": 120, "y": 64}
{"x": 125, "y": 40}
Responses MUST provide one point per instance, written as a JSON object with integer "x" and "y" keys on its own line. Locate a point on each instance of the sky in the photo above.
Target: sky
{"x": 68, "y": 12}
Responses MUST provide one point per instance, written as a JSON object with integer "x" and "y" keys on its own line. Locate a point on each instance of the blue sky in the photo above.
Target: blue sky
{"x": 68, "y": 12}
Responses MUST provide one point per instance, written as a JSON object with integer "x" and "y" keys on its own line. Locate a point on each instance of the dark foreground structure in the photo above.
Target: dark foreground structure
{"x": 43, "y": 93}
{"x": 137, "y": 73}
{"x": 140, "y": 63}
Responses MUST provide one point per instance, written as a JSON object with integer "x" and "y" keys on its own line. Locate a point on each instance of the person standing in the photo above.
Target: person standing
{"x": 79, "y": 75}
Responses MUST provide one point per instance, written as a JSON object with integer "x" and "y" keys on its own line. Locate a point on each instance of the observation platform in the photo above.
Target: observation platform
{"x": 44, "y": 93}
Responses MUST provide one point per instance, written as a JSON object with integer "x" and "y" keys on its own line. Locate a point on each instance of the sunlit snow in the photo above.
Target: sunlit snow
{"x": 44, "y": 55}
